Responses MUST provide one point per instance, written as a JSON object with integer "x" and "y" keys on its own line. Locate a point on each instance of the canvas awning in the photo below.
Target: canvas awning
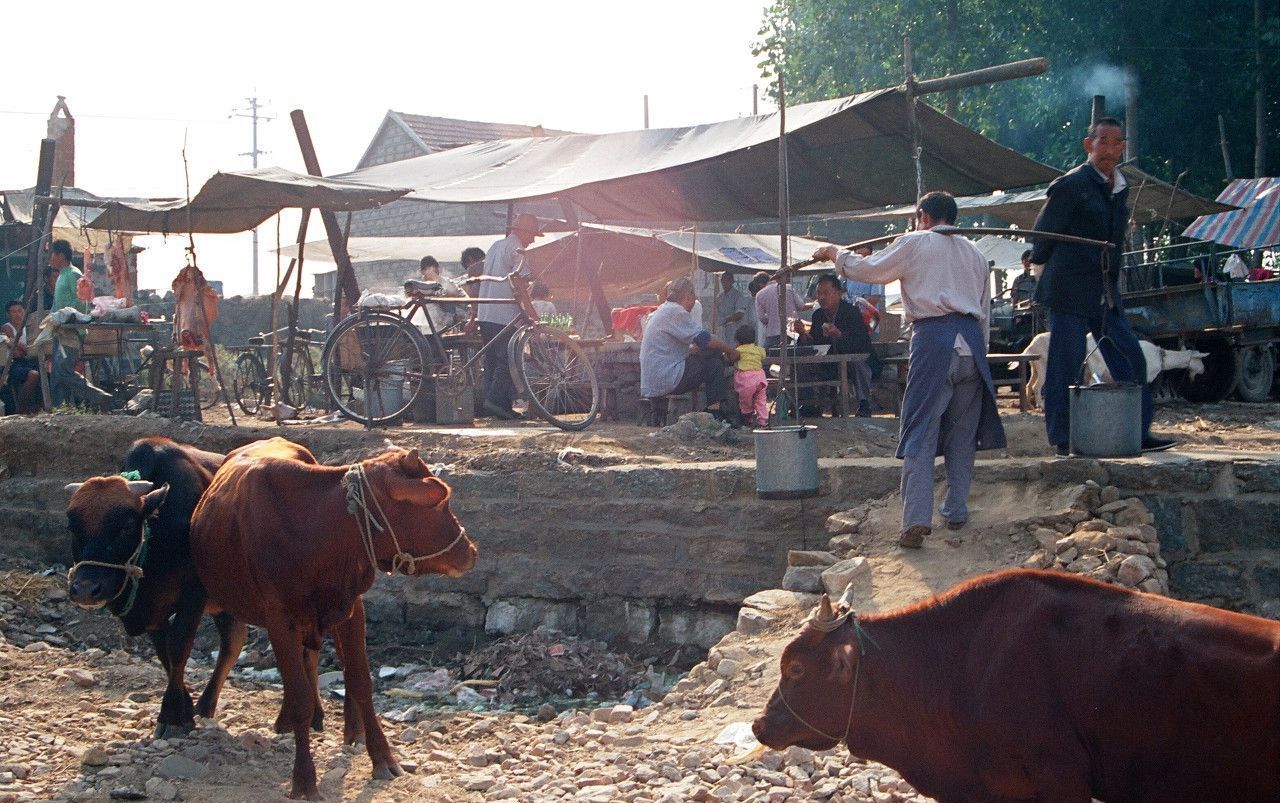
{"x": 1255, "y": 225}
{"x": 238, "y": 201}
{"x": 1150, "y": 199}
{"x": 77, "y": 210}
{"x": 847, "y": 153}
{"x": 631, "y": 260}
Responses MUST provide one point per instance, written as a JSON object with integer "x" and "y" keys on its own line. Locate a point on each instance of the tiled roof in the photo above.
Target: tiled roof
{"x": 442, "y": 133}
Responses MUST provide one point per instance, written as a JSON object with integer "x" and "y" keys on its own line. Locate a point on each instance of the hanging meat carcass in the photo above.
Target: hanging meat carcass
{"x": 118, "y": 268}
{"x": 196, "y": 308}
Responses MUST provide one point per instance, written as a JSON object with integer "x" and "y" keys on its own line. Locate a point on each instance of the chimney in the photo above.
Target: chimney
{"x": 62, "y": 130}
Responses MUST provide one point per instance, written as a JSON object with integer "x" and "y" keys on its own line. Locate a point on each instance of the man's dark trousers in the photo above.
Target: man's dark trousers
{"x": 1120, "y": 350}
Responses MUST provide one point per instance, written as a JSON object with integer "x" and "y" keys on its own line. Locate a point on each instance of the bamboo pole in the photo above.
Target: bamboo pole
{"x": 346, "y": 284}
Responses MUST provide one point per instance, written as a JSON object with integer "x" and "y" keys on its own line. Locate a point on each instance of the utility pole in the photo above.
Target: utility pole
{"x": 253, "y": 114}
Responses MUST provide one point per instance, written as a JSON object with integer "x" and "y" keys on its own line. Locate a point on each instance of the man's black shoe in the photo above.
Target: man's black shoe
{"x": 1063, "y": 449}
{"x": 1154, "y": 444}
{"x": 498, "y": 411}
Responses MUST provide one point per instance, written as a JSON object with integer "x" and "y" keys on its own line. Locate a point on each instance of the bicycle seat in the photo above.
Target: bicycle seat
{"x": 420, "y": 288}
{"x": 257, "y": 340}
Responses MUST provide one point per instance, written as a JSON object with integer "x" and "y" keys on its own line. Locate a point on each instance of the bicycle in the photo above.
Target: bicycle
{"x": 376, "y": 362}
{"x": 252, "y": 387}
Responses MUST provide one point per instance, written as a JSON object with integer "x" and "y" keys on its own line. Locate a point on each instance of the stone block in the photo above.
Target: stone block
{"x": 806, "y": 579}
{"x": 1202, "y": 581}
{"x": 1257, "y": 476}
{"x": 522, "y": 615}
{"x": 1064, "y": 472}
{"x": 616, "y": 619}
{"x": 1134, "y": 569}
{"x": 700, "y": 628}
{"x": 855, "y": 570}
{"x": 752, "y": 621}
{"x": 777, "y": 599}
{"x": 806, "y": 557}
{"x": 841, "y": 524}
{"x": 1239, "y": 523}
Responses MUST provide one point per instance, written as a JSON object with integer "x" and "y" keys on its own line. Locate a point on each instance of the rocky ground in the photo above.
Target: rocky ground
{"x": 78, "y": 700}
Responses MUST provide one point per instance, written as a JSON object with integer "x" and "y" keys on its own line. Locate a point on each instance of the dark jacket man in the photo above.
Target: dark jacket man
{"x": 1081, "y": 204}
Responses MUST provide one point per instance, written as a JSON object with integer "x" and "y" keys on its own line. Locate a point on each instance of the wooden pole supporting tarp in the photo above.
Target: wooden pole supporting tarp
{"x": 347, "y": 286}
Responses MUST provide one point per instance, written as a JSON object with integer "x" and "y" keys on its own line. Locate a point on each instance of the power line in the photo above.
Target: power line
{"x": 115, "y": 117}
{"x": 253, "y": 153}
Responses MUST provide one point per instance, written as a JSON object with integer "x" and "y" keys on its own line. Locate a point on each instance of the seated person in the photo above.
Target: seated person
{"x": 837, "y": 324}
{"x": 1024, "y": 287}
{"x": 541, "y": 295}
{"x": 677, "y": 355}
{"x": 442, "y": 315}
{"x": 21, "y": 387}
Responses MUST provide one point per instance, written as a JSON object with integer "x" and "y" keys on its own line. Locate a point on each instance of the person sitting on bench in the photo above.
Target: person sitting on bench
{"x": 678, "y": 356}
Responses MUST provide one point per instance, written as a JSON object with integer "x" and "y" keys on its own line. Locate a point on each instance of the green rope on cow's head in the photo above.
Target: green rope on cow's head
{"x": 131, "y": 475}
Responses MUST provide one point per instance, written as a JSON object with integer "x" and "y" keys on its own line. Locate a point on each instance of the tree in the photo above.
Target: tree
{"x": 1189, "y": 62}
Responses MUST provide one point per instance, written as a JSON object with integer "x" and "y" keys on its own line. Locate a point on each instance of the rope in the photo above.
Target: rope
{"x": 367, "y": 520}
{"x": 132, "y": 569}
{"x": 828, "y": 627}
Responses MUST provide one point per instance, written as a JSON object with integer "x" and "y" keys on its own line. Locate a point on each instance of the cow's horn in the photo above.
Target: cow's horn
{"x": 824, "y": 612}
{"x": 846, "y": 599}
{"x": 141, "y": 486}
{"x": 72, "y": 487}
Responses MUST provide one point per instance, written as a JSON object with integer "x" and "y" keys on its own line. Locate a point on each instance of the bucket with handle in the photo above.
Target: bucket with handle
{"x": 1106, "y": 418}
{"x": 787, "y": 462}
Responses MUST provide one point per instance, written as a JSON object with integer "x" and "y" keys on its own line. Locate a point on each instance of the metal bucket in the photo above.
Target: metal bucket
{"x": 787, "y": 462}
{"x": 1106, "y": 419}
{"x": 390, "y": 389}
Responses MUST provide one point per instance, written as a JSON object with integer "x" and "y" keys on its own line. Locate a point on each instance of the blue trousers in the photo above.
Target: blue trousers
{"x": 953, "y": 419}
{"x": 499, "y": 386}
{"x": 1120, "y": 350}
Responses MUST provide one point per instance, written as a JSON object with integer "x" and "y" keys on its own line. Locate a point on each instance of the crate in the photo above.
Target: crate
{"x": 187, "y": 406}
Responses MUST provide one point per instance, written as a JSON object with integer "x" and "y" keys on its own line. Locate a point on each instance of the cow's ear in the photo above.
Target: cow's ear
{"x": 412, "y": 465}
{"x": 152, "y": 501}
{"x": 843, "y": 671}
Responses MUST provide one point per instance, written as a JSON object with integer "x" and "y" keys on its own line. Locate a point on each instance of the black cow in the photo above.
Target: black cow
{"x": 131, "y": 552}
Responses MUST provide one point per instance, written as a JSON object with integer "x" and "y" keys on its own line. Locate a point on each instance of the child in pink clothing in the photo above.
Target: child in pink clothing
{"x": 748, "y": 378}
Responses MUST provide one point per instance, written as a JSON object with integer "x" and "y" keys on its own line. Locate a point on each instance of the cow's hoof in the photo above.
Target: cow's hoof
{"x": 317, "y": 720}
{"x": 172, "y": 731}
{"x": 302, "y": 794}
{"x": 385, "y": 772}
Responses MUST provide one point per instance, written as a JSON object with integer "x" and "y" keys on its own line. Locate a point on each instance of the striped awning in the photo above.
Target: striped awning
{"x": 1255, "y": 225}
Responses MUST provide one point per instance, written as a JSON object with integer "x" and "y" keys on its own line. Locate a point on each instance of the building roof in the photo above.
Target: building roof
{"x": 435, "y": 134}
{"x": 442, "y": 133}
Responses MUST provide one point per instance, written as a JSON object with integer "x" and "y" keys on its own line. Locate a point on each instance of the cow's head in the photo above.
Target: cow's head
{"x": 106, "y": 516}
{"x": 416, "y": 504}
{"x": 811, "y": 705}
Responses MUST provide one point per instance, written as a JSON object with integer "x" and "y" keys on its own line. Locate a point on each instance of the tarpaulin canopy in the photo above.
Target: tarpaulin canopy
{"x": 1150, "y": 199}
{"x": 238, "y": 201}
{"x": 1256, "y": 225}
{"x": 1005, "y": 252}
{"x": 847, "y": 153}
{"x": 77, "y": 209}
{"x": 630, "y": 260}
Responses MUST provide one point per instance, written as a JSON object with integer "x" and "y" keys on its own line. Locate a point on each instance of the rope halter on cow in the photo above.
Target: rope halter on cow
{"x": 825, "y": 620}
{"x": 359, "y": 493}
{"x": 132, "y": 568}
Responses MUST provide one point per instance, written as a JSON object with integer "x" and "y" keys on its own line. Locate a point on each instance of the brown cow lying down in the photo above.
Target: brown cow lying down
{"x": 1030, "y": 685}
{"x": 151, "y": 587}
{"x": 276, "y": 545}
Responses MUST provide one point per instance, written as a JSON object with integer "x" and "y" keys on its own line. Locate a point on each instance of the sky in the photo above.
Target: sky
{"x": 147, "y": 80}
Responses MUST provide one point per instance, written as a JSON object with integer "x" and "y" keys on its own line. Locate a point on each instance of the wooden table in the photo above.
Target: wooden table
{"x": 840, "y": 383}
{"x": 1018, "y": 383}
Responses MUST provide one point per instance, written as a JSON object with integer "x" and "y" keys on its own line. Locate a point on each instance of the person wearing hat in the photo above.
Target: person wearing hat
{"x": 504, "y": 257}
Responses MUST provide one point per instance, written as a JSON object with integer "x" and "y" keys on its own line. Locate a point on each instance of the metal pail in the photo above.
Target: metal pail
{"x": 1106, "y": 419}
{"x": 787, "y": 462}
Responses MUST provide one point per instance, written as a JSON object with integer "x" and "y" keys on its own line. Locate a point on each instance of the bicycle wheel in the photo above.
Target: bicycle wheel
{"x": 249, "y": 383}
{"x": 210, "y": 392}
{"x": 374, "y": 366}
{"x": 556, "y": 377}
{"x": 296, "y": 374}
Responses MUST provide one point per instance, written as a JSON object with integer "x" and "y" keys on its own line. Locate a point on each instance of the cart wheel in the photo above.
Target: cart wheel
{"x": 556, "y": 377}
{"x": 374, "y": 366}
{"x": 210, "y": 393}
{"x": 249, "y": 383}
{"x": 1221, "y": 371}
{"x": 295, "y": 375}
{"x": 1257, "y": 373}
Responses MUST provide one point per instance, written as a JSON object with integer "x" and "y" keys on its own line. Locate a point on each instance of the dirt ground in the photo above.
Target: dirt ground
{"x": 78, "y": 701}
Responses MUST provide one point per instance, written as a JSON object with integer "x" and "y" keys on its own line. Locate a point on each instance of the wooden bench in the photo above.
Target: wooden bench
{"x": 840, "y": 384}
{"x": 1017, "y": 384}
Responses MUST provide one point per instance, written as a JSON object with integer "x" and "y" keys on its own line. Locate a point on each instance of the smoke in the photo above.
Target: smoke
{"x": 1105, "y": 79}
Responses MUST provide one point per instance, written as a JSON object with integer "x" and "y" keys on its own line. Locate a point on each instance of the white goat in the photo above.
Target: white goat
{"x": 1158, "y": 360}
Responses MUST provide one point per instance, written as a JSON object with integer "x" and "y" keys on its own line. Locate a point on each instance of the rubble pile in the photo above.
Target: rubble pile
{"x": 1107, "y": 538}
{"x": 542, "y": 665}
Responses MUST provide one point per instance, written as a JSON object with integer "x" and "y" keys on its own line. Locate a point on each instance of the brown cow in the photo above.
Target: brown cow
{"x": 284, "y": 543}
{"x": 131, "y": 555}
{"x": 1030, "y": 685}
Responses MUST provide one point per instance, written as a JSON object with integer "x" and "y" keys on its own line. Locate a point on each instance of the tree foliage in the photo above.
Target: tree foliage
{"x": 1188, "y": 62}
